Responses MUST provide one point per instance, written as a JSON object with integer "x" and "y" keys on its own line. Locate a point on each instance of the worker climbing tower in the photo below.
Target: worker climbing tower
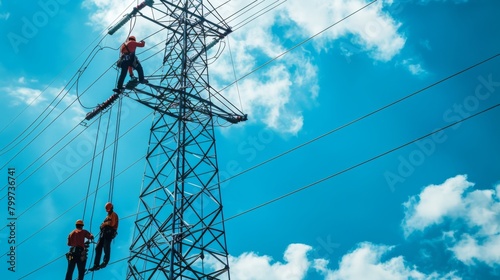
{"x": 179, "y": 231}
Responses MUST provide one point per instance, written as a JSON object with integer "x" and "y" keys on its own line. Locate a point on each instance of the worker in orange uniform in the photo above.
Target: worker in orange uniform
{"x": 129, "y": 59}
{"x": 108, "y": 231}
{"x": 77, "y": 255}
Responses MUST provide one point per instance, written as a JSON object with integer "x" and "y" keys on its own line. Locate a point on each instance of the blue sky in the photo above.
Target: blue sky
{"x": 353, "y": 191}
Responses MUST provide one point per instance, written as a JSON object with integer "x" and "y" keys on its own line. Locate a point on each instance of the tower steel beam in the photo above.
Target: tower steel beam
{"x": 179, "y": 231}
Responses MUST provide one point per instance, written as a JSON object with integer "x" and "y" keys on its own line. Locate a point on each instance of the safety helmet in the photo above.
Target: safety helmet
{"x": 79, "y": 223}
{"x": 131, "y": 38}
{"x": 108, "y": 206}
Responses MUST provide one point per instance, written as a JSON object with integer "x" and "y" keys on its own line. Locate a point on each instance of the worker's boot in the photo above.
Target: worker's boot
{"x": 94, "y": 268}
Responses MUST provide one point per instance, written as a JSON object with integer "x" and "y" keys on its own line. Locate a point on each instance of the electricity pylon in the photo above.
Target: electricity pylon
{"x": 179, "y": 231}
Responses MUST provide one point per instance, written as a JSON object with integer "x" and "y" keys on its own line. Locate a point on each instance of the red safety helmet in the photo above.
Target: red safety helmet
{"x": 79, "y": 223}
{"x": 131, "y": 38}
{"x": 108, "y": 206}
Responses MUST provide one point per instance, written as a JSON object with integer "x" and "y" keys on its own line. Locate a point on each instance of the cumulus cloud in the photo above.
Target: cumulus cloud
{"x": 371, "y": 29}
{"x": 277, "y": 93}
{"x": 477, "y": 211}
{"x": 365, "y": 259}
{"x": 435, "y": 203}
{"x": 251, "y": 266}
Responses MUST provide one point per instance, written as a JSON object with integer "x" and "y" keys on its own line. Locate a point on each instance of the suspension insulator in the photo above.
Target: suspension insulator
{"x": 128, "y": 16}
{"x": 102, "y": 107}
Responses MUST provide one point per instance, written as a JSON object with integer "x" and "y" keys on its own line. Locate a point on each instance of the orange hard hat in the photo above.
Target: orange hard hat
{"x": 79, "y": 222}
{"x": 108, "y": 206}
{"x": 131, "y": 38}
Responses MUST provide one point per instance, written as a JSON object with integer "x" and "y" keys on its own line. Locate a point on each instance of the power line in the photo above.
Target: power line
{"x": 47, "y": 87}
{"x": 240, "y": 77}
{"x": 101, "y": 152}
{"x": 361, "y": 163}
{"x": 366, "y": 115}
{"x": 54, "y": 121}
{"x": 259, "y": 13}
{"x": 311, "y": 184}
{"x": 297, "y": 45}
{"x": 72, "y": 207}
{"x": 43, "y": 266}
{"x": 330, "y": 132}
{"x": 41, "y": 121}
{"x": 351, "y": 167}
{"x": 78, "y": 73}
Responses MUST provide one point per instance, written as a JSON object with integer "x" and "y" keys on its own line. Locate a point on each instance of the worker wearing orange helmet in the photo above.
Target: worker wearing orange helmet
{"x": 77, "y": 255}
{"x": 108, "y": 231}
{"x": 129, "y": 60}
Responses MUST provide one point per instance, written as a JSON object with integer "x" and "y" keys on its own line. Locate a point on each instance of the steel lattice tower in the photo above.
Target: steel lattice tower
{"x": 179, "y": 231}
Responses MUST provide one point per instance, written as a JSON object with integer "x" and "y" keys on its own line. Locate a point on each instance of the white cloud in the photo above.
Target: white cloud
{"x": 365, "y": 260}
{"x": 278, "y": 93}
{"x": 373, "y": 30}
{"x": 24, "y": 95}
{"x": 435, "y": 203}
{"x": 251, "y": 266}
{"x": 38, "y": 99}
{"x": 414, "y": 68}
{"x": 22, "y": 80}
{"x": 476, "y": 211}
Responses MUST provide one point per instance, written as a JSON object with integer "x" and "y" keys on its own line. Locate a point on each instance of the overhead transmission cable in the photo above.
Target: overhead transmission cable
{"x": 243, "y": 10}
{"x": 392, "y": 104}
{"x": 234, "y": 73}
{"x": 258, "y": 14}
{"x": 386, "y": 105}
{"x": 358, "y": 119}
{"x": 41, "y": 121}
{"x": 45, "y": 128}
{"x": 75, "y": 172}
{"x": 215, "y": 10}
{"x": 100, "y": 173}
{"x": 78, "y": 73}
{"x": 92, "y": 167}
{"x": 366, "y": 115}
{"x": 297, "y": 45}
{"x": 415, "y": 140}
{"x": 363, "y": 162}
{"x": 47, "y": 87}
{"x": 75, "y": 205}
{"x": 39, "y": 134}
{"x": 115, "y": 151}
{"x": 43, "y": 266}
{"x": 332, "y": 175}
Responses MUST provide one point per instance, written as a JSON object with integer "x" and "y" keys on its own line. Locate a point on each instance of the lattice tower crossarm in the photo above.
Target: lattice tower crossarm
{"x": 179, "y": 231}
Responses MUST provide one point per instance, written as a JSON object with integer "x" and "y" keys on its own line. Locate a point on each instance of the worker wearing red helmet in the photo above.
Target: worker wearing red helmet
{"x": 129, "y": 60}
{"x": 108, "y": 231}
{"x": 77, "y": 255}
